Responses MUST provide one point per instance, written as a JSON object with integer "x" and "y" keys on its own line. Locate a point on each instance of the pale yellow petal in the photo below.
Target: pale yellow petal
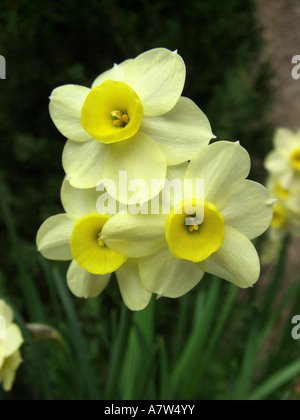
{"x": 78, "y": 202}
{"x": 135, "y": 235}
{"x": 65, "y": 110}
{"x": 277, "y": 162}
{"x": 181, "y": 132}
{"x": 83, "y": 163}
{"x": 285, "y": 139}
{"x": 168, "y": 276}
{"x": 158, "y": 78}
{"x": 236, "y": 261}
{"x": 134, "y": 294}
{"x": 13, "y": 340}
{"x": 53, "y": 238}
{"x": 249, "y": 210}
{"x": 138, "y": 159}
{"x": 221, "y": 166}
{"x": 6, "y": 312}
{"x": 9, "y": 370}
{"x": 84, "y": 284}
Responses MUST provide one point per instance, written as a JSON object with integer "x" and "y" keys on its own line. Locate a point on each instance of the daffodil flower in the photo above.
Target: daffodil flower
{"x": 286, "y": 217}
{"x": 10, "y": 342}
{"x": 174, "y": 254}
{"x": 283, "y": 162}
{"x": 132, "y": 119}
{"x": 77, "y": 235}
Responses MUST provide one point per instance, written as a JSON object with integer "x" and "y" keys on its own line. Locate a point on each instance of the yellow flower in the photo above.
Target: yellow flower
{"x": 132, "y": 119}
{"x": 286, "y": 218}
{"x": 212, "y": 232}
{"x": 279, "y": 217}
{"x": 198, "y": 241}
{"x": 77, "y": 235}
{"x": 10, "y": 342}
{"x": 283, "y": 162}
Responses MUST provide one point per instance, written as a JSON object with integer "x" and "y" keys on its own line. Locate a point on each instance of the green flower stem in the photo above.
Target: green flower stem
{"x": 118, "y": 354}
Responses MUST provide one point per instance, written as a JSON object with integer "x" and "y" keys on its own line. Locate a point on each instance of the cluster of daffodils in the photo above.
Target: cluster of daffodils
{"x": 283, "y": 165}
{"x": 134, "y": 123}
{"x": 10, "y": 342}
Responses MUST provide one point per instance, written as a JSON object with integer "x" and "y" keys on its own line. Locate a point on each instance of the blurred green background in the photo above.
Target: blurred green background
{"x": 214, "y": 343}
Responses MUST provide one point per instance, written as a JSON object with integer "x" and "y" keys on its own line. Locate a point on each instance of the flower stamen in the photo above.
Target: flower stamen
{"x": 194, "y": 228}
{"x": 193, "y": 223}
{"x": 120, "y": 119}
{"x": 100, "y": 241}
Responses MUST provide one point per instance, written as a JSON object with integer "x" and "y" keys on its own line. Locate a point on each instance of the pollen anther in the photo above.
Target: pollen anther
{"x": 100, "y": 241}
{"x": 121, "y": 120}
{"x": 194, "y": 228}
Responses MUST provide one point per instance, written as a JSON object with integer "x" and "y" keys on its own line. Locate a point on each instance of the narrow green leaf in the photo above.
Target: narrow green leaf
{"x": 217, "y": 331}
{"x": 76, "y": 337}
{"x": 183, "y": 379}
{"x": 164, "y": 372}
{"x": 27, "y": 286}
{"x": 244, "y": 380}
{"x": 118, "y": 352}
{"x": 276, "y": 381}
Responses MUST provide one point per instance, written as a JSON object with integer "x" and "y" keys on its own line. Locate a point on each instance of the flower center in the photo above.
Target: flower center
{"x": 279, "y": 217}
{"x": 193, "y": 223}
{"x": 195, "y": 229}
{"x": 88, "y": 248}
{"x": 119, "y": 118}
{"x": 296, "y": 159}
{"x": 100, "y": 240}
{"x": 112, "y": 112}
